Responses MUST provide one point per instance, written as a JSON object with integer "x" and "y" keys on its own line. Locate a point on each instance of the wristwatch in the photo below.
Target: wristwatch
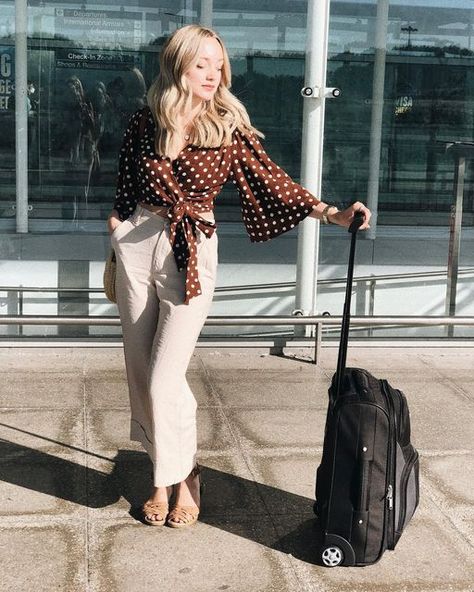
{"x": 324, "y": 217}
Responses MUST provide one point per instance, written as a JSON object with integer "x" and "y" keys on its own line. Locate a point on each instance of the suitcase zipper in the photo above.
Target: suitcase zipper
{"x": 389, "y": 497}
{"x": 390, "y": 521}
{"x": 402, "y": 411}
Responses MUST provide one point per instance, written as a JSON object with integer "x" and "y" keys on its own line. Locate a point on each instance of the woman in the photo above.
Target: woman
{"x": 177, "y": 154}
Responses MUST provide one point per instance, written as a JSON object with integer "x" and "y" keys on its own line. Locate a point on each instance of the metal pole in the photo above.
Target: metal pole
{"x": 188, "y": 13}
{"x": 455, "y": 239}
{"x": 317, "y": 342}
{"x": 206, "y": 13}
{"x": 317, "y": 32}
{"x": 20, "y": 310}
{"x": 21, "y": 115}
{"x": 372, "y": 287}
{"x": 377, "y": 113}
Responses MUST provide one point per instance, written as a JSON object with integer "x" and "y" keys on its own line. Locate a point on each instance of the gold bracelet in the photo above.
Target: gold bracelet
{"x": 324, "y": 216}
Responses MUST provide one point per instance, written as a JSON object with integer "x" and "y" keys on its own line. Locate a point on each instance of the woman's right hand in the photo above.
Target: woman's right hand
{"x": 113, "y": 221}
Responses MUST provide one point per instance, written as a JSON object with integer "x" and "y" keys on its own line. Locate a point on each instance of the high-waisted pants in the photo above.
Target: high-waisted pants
{"x": 159, "y": 336}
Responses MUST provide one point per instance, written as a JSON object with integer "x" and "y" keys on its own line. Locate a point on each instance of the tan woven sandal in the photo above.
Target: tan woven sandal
{"x": 156, "y": 508}
{"x": 184, "y": 516}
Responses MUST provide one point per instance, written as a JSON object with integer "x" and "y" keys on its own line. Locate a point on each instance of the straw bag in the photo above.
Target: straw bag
{"x": 110, "y": 272}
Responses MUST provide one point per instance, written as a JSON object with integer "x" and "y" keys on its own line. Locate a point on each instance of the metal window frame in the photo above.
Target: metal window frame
{"x": 21, "y": 115}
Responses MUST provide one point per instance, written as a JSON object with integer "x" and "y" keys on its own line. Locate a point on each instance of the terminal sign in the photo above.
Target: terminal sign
{"x": 6, "y": 78}
{"x": 96, "y": 60}
{"x": 403, "y": 104}
{"x": 100, "y": 27}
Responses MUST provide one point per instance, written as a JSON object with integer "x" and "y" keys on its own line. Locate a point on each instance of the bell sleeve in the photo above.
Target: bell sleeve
{"x": 271, "y": 202}
{"x": 126, "y": 195}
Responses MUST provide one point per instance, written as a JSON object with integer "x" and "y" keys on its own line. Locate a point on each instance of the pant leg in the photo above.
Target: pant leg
{"x": 135, "y": 243}
{"x": 173, "y": 406}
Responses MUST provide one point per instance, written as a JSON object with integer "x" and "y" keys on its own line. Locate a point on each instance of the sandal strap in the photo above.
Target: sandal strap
{"x": 196, "y": 471}
{"x": 156, "y": 508}
{"x": 186, "y": 513}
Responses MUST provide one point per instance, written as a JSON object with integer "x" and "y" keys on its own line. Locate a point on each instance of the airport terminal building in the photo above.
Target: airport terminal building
{"x": 396, "y": 134}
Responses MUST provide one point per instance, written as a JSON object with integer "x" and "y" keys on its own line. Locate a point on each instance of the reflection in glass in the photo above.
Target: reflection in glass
{"x": 428, "y": 97}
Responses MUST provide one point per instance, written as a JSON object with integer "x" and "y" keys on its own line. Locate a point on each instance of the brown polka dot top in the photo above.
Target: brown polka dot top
{"x": 271, "y": 202}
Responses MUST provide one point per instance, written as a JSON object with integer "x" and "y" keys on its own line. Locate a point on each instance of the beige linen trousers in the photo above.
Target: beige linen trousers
{"x": 159, "y": 336}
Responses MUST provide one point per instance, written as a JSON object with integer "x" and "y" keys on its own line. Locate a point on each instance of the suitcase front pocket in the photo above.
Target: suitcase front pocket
{"x": 408, "y": 491}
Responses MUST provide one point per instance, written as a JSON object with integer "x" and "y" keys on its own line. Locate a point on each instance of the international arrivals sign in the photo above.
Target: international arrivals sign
{"x": 100, "y": 26}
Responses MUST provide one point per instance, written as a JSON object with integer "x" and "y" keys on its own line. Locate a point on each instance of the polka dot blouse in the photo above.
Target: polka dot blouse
{"x": 271, "y": 202}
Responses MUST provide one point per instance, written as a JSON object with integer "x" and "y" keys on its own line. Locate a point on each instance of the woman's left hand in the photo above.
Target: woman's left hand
{"x": 345, "y": 217}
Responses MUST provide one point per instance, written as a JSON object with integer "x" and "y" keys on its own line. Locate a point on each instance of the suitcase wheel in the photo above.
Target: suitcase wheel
{"x": 332, "y": 556}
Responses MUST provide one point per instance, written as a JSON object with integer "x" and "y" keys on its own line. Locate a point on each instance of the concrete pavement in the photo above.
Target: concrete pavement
{"x": 70, "y": 480}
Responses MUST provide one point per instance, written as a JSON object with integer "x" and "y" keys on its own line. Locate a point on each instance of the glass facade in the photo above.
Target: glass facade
{"x": 88, "y": 68}
{"x": 428, "y": 98}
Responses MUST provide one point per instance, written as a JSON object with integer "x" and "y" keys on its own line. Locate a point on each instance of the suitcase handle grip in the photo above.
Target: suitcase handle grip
{"x": 356, "y": 222}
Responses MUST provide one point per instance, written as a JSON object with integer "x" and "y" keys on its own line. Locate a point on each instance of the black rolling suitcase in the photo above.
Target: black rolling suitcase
{"x": 367, "y": 485}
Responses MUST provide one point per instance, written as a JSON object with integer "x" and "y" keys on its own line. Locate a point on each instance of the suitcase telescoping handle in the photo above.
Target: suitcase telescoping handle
{"x": 346, "y": 317}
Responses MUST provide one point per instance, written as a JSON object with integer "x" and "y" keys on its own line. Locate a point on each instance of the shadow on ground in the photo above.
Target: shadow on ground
{"x": 237, "y": 505}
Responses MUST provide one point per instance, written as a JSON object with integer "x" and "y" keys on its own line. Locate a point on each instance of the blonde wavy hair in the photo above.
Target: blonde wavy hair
{"x": 170, "y": 95}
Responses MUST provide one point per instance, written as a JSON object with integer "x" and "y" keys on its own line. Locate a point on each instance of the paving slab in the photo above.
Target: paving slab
{"x": 42, "y": 389}
{"x": 438, "y": 412}
{"x": 291, "y": 428}
{"x": 282, "y": 388}
{"x": 104, "y": 358}
{"x": 51, "y": 430}
{"x": 38, "y": 484}
{"x": 43, "y": 558}
{"x": 109, "y": 429}
{"x": 213, "y": 431}
{"x": 43, "y": 359}
{"x": 443, "y": 358}
{"x": 286, "y": 482}
{"x": 448, "y": 482}
{"x": 377, "y": 359}
{"x": 227, "y": 556}
{"x": 201, "y": 388}
{"x": 466, "y": 386}
{"x": 453, "y": 476}
{"x": 51, "y": 358}
{"x": 251, "y": 359}
{"x": 106, "y": 389}
{"x": 230, "y": 491}
{"x": 92, "y": 359}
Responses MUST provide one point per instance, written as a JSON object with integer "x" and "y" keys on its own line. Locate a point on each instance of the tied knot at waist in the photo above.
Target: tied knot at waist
{"x": 185, "y": 219}
{"x": 183, "y": 216}
{"x": 180, "y": 209}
